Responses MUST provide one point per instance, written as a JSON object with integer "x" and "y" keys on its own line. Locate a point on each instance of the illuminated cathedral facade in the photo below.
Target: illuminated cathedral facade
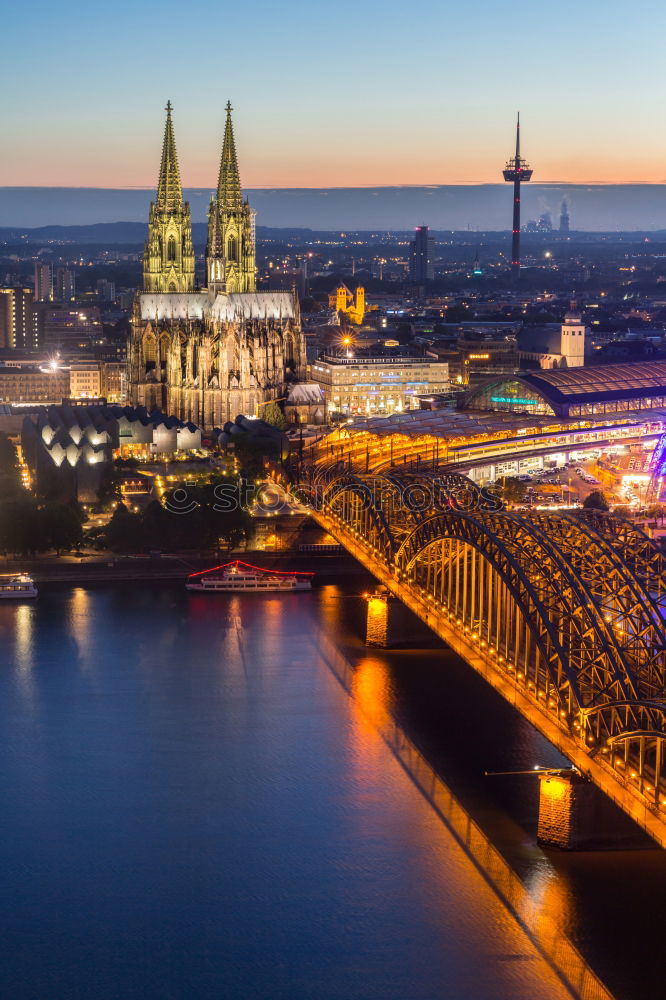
{"x": 208, "y": 354}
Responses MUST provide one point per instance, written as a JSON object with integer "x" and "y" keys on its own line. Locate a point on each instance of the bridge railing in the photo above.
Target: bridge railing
{"x": 548, "y": 601}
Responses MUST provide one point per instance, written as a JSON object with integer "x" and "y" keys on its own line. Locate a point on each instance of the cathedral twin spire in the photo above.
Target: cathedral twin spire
{"x": 230, "y": 250}
{"x": 228, "y": 184}
{"x": 168, "y": 258}
{"x": 169, "y": 189}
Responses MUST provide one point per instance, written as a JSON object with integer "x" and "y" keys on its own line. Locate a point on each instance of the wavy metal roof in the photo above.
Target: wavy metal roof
{"x": 598, "y": 382}
{"x": 459, "y": 423}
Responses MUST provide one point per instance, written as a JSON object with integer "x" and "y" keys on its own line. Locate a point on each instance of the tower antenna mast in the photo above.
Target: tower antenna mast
{"x": 518, "y": 171}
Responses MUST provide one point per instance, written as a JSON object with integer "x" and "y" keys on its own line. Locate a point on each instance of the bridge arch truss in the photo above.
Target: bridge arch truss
{"x": 567, "y": 608}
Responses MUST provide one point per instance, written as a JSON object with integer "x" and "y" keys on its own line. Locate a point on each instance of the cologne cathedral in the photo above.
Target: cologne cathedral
{"x": 208, "y": 354}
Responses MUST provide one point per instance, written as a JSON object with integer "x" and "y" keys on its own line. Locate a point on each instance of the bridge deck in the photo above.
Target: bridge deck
{"x": 560, "y": 617}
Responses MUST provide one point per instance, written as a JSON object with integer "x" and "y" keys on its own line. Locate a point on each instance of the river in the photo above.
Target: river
{"x": 192, "y": 805}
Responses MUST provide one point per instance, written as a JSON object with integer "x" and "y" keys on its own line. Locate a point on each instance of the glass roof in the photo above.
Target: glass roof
{"x": 602, "y": 381}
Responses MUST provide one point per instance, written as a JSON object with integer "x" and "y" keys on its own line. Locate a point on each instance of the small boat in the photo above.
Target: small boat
{"x": 241, "y": 577}
{"x": 18, "y": 585}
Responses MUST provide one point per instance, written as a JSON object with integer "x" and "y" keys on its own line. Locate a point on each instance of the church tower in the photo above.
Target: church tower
{"x": 572, "y": 343}
{"x": 168, "y": 258}
{"x": 230, "y": 253}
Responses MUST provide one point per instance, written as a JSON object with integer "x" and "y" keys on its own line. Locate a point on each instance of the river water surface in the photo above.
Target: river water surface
{"x": 191, "y": 805}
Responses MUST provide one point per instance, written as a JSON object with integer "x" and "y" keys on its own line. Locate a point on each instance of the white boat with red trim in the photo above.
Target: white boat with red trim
{"x": 17, "y": 586}
{"x": 242, "y": 577}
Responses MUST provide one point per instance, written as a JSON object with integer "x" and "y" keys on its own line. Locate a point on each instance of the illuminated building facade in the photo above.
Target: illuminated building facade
{"x": 230, "y": 251}
{"x": 81, "y": 441}
{"x": 168, "y": 258}
{"x": 352, "y": 304}
{"x": 208, "y": 354}
{"x": 113, "y": 377}
{"x": 17, "y": 325}
{"x": 85, "y": 381}
{"x": 367, "y": 385}
{"x": 572, "y": 344}
{"x": 517, "y": 424}
{"x": 556, "y": 347}
{"x": 33, "y": 384}
{"x": 593, "y": 390}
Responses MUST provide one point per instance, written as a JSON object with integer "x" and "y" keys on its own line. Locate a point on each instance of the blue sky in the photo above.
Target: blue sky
{"x": 348, "y": 94}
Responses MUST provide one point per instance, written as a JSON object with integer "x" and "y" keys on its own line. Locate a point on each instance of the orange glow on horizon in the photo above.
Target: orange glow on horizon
{"x": 106, "y": 170}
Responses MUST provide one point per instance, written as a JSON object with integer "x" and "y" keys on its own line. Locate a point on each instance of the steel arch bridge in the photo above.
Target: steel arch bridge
{"x": 564, "y": 614}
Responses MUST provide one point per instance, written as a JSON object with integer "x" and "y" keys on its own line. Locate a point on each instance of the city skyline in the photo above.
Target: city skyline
{"x": 439, "y": 110}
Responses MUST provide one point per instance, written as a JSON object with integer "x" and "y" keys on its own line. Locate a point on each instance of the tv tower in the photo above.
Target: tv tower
{"x": 516, "y": 170}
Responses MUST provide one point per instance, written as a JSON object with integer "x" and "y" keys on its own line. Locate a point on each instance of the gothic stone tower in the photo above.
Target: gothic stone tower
{"x": 209, "y": 354}
{"x": 168, "y": 259}
{"x": 230, "y": 253}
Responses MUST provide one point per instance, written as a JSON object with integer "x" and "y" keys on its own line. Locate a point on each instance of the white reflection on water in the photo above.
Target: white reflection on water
{"x": 24, "y": 637}
{"x": 81, "y": 625}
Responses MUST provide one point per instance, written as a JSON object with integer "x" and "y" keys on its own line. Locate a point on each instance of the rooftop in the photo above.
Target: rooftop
{"x": 598, "y": 382}
{"x": 469, "y": 424}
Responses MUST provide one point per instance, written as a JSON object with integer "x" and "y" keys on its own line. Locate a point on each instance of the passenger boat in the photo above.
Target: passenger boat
{"x": 241, "y": 577}
{"x": 18, "y": 585}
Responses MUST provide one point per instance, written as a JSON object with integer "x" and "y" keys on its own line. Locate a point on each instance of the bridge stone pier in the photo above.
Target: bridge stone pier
{"x": 575, "y": 815}
{"x": 562, "y": 613}
{"x": 388, "y": 622}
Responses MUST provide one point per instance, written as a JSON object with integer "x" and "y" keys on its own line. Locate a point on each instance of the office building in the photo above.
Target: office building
{"x": 378, "y": 385}
{"x": 33, "y": 384}
{"x": 68, "y": 328}
{"x": 17, "y": 327}
{"x": 85, "y": 381}
{"x": 106, "y": 290}
{"x": 43, "y": 282}
{"x": 64, "y": 285}
{"x": 421, "y": 256}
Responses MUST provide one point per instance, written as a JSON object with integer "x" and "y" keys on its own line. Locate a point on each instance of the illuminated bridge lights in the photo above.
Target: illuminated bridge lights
{"x": 616, "y": 689}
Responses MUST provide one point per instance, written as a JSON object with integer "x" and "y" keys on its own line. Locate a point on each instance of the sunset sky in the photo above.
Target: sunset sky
{"x": 325, "y": 95}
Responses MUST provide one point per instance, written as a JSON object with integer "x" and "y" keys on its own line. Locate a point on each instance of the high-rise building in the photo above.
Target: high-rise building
{"x": 70, "y": 328}
{"x": 43, "y": 282}
{"x": 421, "y": 256}
{"x": 564, "y": 217}
{"x": 17, "y": 327}
{"x": 64, "y": 285}
{"x": 517, "y": 170}
{"x": 106, "y": 290}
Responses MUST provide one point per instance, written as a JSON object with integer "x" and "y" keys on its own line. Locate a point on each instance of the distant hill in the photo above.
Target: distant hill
{"x": 115, "y": 233}
{"x": 131, "y": 233}
{"x": 592, "y": 207}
